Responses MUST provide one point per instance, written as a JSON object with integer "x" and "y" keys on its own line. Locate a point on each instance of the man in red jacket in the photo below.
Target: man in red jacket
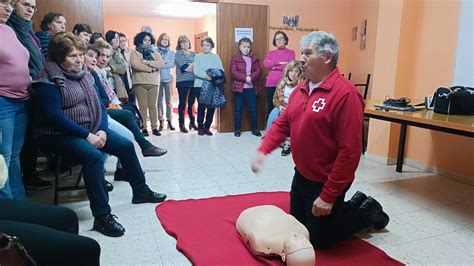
{"x": 324, "y": 118}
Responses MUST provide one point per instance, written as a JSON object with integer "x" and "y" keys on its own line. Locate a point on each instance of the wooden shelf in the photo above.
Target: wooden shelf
{"x": 290, "y": 28}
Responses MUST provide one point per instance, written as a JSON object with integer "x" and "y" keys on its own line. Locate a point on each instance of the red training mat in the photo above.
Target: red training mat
{"x": 206, "y": 234}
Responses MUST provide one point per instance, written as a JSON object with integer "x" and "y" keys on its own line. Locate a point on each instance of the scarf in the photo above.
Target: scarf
{"x": 163, "y": 51}
{"x": 24, "y": 31}
{"x": 105, "y": 83}
{"x": 70, "y": 83}
{"x": 147, "y": 52}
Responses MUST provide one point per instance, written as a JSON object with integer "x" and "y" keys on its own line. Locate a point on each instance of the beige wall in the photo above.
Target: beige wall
{"x": 329, "y": 15}
{"x": 207, "y": 23}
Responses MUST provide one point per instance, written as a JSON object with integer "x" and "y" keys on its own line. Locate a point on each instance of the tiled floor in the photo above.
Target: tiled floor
{"x": 432, "y": 217}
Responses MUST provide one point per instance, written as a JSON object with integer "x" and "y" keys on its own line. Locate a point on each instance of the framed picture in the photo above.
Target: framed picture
{"x": 292, "y": 21}
{"x": 354, "y": 33}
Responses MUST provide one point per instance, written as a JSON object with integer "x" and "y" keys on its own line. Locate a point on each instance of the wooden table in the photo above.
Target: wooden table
{"x": 462, "y": 125}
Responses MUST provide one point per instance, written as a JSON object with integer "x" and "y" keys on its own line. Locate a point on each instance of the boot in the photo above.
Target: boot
{"x": 378, "y": 218}
{"x": 161, "y": 126}
{"x": 356, "y": 200}
{"x": 170, "y": 125}
{"x": 192, "y": 126}
{"x": 182, "y": 128}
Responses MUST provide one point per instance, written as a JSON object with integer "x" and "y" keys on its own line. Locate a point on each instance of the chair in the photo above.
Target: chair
{"x": 58, "y": 176}
{"x": 365, "y": 126}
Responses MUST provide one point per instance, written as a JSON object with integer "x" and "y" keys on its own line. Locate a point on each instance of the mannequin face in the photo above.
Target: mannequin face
{"x": 74, "y": 60}
{"x": 90, "y": 59}
{"x": 57, "y": 25}
{"x": 26, "y": 9}
{"x": 5, "y": 12}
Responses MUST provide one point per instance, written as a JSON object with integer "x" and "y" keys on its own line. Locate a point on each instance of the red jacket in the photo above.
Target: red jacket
{"x": 238, "y": 72}
{"x": 326, "y": 133}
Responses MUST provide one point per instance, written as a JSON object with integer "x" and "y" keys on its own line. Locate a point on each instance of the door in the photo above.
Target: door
{"x": 229, "y": 17}
{"x": 197, "y": 41}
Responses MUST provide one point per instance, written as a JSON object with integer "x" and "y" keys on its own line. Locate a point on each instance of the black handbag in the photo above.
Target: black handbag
{"x": 457, "y": 100}
{"x": 12, "y": 252}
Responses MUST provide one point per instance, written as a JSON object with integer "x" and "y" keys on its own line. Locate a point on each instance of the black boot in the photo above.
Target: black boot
{"x": 107, "y": 225}
{"x": 182, "y": 128}
{"x": 378, "y": 218}
{"x": 161, "y": 126}
{"x": 355, "y": 201}
{"x": 192, "y": 126}
{"x": 170, "y": 125}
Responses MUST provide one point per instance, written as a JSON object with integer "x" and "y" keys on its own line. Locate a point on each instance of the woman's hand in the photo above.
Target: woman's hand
{"x": 282, "y": 108}
{"x": 248, "y": 79}
{"x": 103, "y": 137}
{"x": 208, "y": 78}
{"x": 95, "y": 140}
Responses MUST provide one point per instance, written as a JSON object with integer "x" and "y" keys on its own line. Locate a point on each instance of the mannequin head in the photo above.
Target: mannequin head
{"x": 298, "y": 250}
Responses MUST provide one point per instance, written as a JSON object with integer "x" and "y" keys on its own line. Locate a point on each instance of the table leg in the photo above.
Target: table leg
{"x": 401, "y": 147}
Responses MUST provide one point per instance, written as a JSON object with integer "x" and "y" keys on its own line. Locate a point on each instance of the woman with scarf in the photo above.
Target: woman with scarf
{"x": 118, "y": 67}
{"x": 21, "y": 22}
{"x": 13, "y": 102}
{"x": 166, "y": 78}
{"x": 72, "y": 122}
{"x": 146, "y": 64}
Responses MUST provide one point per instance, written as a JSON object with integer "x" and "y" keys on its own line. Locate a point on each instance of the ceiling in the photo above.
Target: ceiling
{"x": 158, "y": 8}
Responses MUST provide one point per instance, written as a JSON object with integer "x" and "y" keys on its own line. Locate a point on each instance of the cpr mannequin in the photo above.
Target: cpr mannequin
{"x": 269, "y": 231}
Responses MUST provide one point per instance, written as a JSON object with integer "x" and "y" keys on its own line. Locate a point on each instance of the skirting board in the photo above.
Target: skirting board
{"x": 422, "y": 166}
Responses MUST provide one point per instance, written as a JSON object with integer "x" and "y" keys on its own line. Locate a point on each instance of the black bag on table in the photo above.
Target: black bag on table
{"x": 457, "y": 100}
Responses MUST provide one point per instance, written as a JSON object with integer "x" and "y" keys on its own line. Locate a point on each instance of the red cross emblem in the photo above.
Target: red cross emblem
{"x": 319, "y": 105}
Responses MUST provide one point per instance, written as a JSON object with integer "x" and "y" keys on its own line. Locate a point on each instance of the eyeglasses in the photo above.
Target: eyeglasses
{"x": 29, "y": 6}
{"x": 280, "y": 39}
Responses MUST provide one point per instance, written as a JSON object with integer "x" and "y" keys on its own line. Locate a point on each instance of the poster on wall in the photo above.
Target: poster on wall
{"x": 292, "y": 21}
{"x": 242, "y": 33}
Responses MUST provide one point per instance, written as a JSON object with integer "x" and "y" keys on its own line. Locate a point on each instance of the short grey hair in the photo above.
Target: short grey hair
{"x": 322, "y": 42}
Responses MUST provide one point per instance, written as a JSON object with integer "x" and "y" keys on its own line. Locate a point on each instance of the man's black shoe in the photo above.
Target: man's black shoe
{"x": 356, "y": 200}
{"x": 107, "y": 225}
{"x": 156, "y": 132}
{"x": 237, "y": 133}
{"x": 37, "y": 183}
{"x": 120, "y": 175}
{"x": 145, "y": 133}
{"x": 148, "y": 197}
{"x": 108, "y": 186}
{"x": 154, "y": 151}
{"x": 378, "y": 218}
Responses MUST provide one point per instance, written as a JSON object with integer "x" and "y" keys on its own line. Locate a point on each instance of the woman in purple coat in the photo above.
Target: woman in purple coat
{"x": 245, "y": 70}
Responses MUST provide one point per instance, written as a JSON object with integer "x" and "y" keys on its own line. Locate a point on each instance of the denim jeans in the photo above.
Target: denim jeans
{"x": 92, "y": 161}
{"x": 249, "y": 97}
{"x": 166, "y": 88}
{"x": 274, "y": 114}
{"x": 186, "y": 92}
{"x": 202, "y": 112}
{"x": 13, "y": 124}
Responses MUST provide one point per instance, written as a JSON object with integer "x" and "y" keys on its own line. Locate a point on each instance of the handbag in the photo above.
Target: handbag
{"x": 457, "y": 100}
{"x": 136, "y": 114}
{"x": 212, "y": 95}
{"x": 12, "y": 252}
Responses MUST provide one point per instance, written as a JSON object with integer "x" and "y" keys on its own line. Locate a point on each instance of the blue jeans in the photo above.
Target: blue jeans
{"x": 166, "y": 88}
{"x": 13, "y": 123}
{"x": 250, "y": 97}
{"x": 274, "y": 114}
{"x": 92, "y": 161}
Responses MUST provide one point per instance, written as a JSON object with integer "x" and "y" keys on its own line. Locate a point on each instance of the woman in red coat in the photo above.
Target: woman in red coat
{"x": 245, "y": 70}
